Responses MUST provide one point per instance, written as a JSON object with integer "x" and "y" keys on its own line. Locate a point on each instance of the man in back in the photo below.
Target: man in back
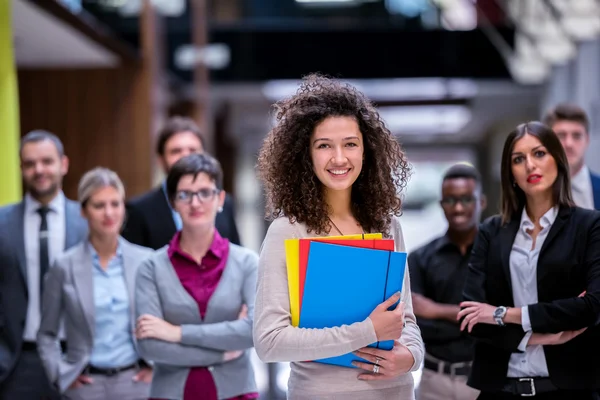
{"x": 438, "y": 272}
{"x": 32, "y": 234}
{"x": 571, "y": 125}
{"x": 151, "y": 222}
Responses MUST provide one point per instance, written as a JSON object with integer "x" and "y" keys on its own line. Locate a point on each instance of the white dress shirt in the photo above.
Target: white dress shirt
{"x": 523, "y": 274}
{"x": 56, "y": 244}
{"x": 581, "y": 188}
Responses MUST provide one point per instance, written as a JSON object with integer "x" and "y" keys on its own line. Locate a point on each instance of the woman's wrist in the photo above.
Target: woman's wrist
{"x": 513, "y": 316}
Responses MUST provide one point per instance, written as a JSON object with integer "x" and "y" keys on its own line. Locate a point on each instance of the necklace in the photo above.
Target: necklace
{"x": 338, "y": 229}
{"x": 335, "y": 226}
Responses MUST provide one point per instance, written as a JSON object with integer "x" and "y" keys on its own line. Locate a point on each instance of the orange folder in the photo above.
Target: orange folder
{"x": 292, "y": 256}
{"x": 304, "y": 249}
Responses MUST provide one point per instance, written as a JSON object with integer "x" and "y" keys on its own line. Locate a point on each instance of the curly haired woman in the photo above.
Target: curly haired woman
{"x": 331, "y": 167}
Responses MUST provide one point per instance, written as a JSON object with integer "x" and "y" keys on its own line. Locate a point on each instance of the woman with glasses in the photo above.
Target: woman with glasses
{"x": 190, "y": 295}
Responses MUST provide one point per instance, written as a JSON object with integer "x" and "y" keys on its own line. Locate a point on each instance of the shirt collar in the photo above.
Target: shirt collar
{"x": 94, "y": 253}
{"x": 444, "y": 242}
{"x": 217, "y": 247}
{"x": 546, "y": 220}
{"x": 56, "y": 205}
{"x": 580, "y": 179}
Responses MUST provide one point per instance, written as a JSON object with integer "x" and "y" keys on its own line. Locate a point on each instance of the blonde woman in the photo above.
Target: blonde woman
{"x": 91, "y": 287}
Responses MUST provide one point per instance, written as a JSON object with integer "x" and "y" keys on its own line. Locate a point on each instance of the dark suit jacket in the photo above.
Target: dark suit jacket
{"x": 150, "y": 220}
{"x": 13, "y": 276}
{"x": 568, "y": 264}
{"x": 596, "y": 189}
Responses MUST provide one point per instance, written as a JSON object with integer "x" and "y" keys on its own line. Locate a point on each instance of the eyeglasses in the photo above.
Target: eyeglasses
{"x": 187, "y": 196}
{"x": 463, "y": 200}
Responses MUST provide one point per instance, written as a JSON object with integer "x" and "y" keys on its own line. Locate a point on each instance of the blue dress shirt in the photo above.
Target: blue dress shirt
{"x": 113, "y": 336}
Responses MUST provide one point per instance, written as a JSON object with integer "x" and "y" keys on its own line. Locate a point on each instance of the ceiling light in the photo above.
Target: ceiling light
{"x": 213, "y": 56}
{"x": 411, "y": 120}
{"x": 581, "y": 27}
{"x": 528, "y": 70}
{"x": 389, "y": 89}
{"x": 556, "y": 50}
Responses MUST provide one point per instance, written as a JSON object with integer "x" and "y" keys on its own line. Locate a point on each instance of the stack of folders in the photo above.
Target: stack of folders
{"x": 339, "y": 280}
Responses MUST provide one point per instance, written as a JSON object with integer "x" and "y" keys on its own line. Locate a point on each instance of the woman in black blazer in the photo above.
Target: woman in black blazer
{"x": 532, "y": 295}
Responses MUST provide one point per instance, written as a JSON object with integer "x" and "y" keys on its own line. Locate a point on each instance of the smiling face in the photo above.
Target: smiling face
{"x": 533, "y": 168}
{"x": 337, "y": 152}
{"x": 462, "y": 202}
{"x": 42, "y": 168}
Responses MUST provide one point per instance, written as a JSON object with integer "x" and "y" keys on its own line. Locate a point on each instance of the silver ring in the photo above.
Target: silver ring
{"x": 376, "y": 369}
{"x": 377, "y": 359}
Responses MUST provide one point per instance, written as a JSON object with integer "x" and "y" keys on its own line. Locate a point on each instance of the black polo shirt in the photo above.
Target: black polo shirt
{"x": 438, "y": 271}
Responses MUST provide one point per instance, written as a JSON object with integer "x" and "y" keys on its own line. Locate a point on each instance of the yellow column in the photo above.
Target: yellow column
{"x": 10, "y": 176}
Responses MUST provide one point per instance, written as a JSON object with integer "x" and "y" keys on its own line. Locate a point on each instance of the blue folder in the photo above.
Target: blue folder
{"x": 344, "y": 285}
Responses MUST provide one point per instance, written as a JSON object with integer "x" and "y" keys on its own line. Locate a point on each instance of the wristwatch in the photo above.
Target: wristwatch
{"x": 499, "y": 314}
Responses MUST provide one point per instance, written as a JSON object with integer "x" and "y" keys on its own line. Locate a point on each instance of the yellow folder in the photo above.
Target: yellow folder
{"x": 292, "y": 256}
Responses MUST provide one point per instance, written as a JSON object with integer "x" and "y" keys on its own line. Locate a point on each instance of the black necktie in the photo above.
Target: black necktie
{"x": 44, "y": 256}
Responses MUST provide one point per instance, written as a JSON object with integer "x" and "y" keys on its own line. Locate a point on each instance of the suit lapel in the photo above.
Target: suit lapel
{"x": 595, "y": 190}
{"x": 506, "y": 239}
{"x": 164, "y": 214}
{"x": 557, "y": 227}
{"x": 73, "y": 224}
{"x": 17, "y": 222}
{"x": 84, "y": 283}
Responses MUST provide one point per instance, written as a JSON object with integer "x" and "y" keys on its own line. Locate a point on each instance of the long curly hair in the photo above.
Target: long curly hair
{"x": 285, "y": 164}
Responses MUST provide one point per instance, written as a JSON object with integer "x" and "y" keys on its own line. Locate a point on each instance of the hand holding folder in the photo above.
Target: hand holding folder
{"x": 388, "y": 320}
{"x": 345, "y": 284}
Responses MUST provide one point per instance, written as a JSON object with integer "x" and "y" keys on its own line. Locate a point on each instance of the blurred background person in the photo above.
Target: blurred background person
{"x": 151, "y": 220}
{"x": 189, "y": 296}
{"x": 532, "y": 294}
{"x": 438, "y": 271}
{"x": 571, "y": 124}
{"x": 33, "y": 233}
{"x": 91, "y": 288}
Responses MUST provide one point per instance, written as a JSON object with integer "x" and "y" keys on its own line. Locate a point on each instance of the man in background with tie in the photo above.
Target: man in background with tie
{"x": 32, "y": 233}
{"x": 571, "y": 125}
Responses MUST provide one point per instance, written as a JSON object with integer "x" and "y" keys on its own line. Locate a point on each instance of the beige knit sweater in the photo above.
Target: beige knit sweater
{"x": 276, "y": 340}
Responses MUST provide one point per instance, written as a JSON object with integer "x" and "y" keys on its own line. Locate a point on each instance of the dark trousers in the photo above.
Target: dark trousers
{"x": 556, "y": 395}
{"x": 28, "y": 380}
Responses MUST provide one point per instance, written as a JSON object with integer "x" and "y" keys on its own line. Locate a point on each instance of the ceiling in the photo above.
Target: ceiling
{"x": 44, "y": 41}
{"x": 485, "y": 103}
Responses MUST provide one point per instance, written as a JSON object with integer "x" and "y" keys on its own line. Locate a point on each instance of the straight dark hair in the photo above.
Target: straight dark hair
{"x": 513, "y": 198}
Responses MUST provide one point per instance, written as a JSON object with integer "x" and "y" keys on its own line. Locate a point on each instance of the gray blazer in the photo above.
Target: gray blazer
{"x": 13, "y": 275}
{"x": 69, "y": 296}
{"x": 160, "y": 293}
